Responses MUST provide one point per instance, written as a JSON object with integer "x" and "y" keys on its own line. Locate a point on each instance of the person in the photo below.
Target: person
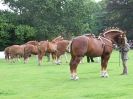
{"x": 124, "y": 57}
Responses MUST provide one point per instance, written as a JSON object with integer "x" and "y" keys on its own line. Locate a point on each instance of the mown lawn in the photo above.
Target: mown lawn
{"x": 50, "y": 81}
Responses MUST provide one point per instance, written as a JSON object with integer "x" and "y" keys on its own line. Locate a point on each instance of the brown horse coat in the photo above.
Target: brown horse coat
{"x": 81, "y": 47}
{"x": 61, "y": 49}
{"x": 16, "y": 51}
{"x": 94, "y": 47}
{"x": 30, "y": 49}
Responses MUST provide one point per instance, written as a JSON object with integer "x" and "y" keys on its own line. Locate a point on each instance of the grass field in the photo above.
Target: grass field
{"x": 50, "y": 81}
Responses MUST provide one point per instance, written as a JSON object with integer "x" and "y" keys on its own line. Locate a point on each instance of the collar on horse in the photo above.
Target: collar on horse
{"x": 104, "y": 44}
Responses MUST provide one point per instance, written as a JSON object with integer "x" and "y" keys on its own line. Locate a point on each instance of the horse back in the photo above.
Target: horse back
{"x": 83, "y": 45}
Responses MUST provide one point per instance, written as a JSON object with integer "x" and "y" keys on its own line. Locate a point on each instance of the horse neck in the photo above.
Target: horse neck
{"x": 50, "y": 46}
{"x": 111, "y": 36}
{"x": 33, "y": 43}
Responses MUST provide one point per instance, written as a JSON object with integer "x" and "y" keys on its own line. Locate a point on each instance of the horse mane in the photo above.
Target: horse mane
{"x": 111, "y": 29}
{"x": 90, "y": 34}
{"x": 32, "y": 42}
{"x": 59, "y": 38}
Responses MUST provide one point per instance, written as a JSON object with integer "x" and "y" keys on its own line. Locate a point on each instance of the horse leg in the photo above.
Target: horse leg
{"x": 73, "y": 67}
{"x": 26, "y": 57}
{"x": 104, "y": 62}
{"x": 58, "y": 60}
{"x": 48, "y": 57}
{"x": 40, "y": 56}
{"x": 66, "y": 57}
{"x": 54, "y": 57}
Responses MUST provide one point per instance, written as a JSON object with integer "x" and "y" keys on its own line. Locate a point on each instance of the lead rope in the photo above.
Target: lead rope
{"x": 119, "y": 58}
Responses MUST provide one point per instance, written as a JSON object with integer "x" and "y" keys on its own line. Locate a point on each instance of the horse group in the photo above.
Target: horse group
{"x": 56, "y": 48}
{"x": 80, "y": 46}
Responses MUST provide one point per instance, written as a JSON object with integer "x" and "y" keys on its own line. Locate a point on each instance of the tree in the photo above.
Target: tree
{"x": 119, "y": 15}
{"x": 54, "y": 17}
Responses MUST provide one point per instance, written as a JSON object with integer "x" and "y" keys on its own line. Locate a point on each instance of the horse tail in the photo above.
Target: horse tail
{"x": 71, "y": 46}
{"x": 6, "y": 55}
{"x": 6, "y": 52}
{"x": 68, "y": 48}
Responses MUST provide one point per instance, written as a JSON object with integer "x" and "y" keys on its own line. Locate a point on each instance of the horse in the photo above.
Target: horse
{"x": 14, "y": 51}
{"x": 61, "y": 49}
{"x": 94, "y": 47}
{"x": 29, "y": 49}
{"x": 45, "y": 47}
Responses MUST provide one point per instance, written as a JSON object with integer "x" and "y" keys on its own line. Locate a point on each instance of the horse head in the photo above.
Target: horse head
{"x": 116, "y": 35}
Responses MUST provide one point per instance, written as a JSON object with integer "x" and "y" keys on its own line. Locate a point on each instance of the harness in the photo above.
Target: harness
{"x": 104, "y": 44}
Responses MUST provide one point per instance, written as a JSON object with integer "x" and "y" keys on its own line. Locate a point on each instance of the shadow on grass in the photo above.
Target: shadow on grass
{"x": 6, "y": 93}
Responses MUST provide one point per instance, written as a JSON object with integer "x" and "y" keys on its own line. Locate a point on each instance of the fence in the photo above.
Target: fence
{"x": 2, "y": 55}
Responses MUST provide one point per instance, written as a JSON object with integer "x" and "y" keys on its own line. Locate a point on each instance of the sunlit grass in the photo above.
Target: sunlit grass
{"x": 50, "y": 81}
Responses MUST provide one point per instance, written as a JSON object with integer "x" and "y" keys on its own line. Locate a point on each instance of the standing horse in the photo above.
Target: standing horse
{"x": 95, "y": 47}
{"x": 43, "y": 47}
{"x": 30, "y": 48}
{"x": 61, "y": 49}
{"x": 15, "y": 51}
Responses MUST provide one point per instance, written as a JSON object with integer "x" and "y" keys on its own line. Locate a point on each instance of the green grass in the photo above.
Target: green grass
{"x": 50, "y": 81}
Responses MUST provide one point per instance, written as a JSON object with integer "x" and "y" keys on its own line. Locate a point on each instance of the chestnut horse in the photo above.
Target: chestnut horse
{"x": 95, "y": 47}
{"x": 31, "y": 47}
{"x": 61, "y": 49}
{"x": 43, "y": 48}
{"x": 14, "y": 51}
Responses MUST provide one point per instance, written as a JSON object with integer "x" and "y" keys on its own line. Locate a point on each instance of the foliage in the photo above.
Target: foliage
{"x": 119, "y": 15}
{"x": 24, "y": 33}
{"x": 6, "y": 33}
{"x": 52, "y": 17}
{"x": 12, "y": 33}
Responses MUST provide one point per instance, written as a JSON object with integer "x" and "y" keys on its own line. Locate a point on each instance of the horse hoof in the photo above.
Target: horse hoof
{"x": 57, "y": 63}
{"x": 104, "y": 74}
{"x": 74, "y": 78}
